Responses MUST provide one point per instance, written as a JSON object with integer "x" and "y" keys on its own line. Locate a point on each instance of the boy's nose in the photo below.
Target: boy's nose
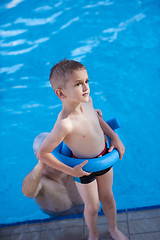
{"x": 85, "y": 87}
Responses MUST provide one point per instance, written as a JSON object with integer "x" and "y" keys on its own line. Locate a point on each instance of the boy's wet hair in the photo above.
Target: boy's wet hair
{"x": 62, "y": 70}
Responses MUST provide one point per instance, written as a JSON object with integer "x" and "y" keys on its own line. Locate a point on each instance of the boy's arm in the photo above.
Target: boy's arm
{"x": 115, "y": 140}
{"x": 31, "y": 184}
{"x": 61, "y": 129}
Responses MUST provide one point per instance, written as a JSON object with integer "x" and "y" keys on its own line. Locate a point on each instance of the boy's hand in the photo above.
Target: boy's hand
{"x": 116, "y": 143}
{"x": 78, "y": 171}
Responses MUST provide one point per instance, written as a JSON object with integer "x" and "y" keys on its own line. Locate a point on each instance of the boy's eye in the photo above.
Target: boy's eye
{"x": 79, "y": 83}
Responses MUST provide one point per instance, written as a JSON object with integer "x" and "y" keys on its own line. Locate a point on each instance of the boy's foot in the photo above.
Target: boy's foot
{"x": 93, "y": 237}
{"x": 90, "y": 238}
{"x": 117, "y": 235}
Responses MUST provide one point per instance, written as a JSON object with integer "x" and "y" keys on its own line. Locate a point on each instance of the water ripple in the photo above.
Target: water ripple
{"x": 79, "y": 58}
{"x": 41, "y": 40}
{"x": 55, "y": 106}
{"x": 13, "y": 3}
{"x": 12, "y": 69}
{"x": 6, "y": 25}
{"x": 86, "y": 48}
{"x": 20, "y": 86}
{"x": 43, "y": 8}
{"x": 26, "y": 50}
{"x": 38, "y": 21}
{"x": 22, "y": 41}
{"x": 12, "y": 43}
{"x": 70, "y": 22}
{"x": 58, "y": 4}
{"x": 11, "y": 33}
{"x": 113, "y": 32}
{"x": 47, "y": 85}
{"x": 34, "y": 105}
{"x": 137, "y": 18}
{"x": 24, "y": 78}
{"x": 104, "y": 3}
{"x": 98, "y": 93}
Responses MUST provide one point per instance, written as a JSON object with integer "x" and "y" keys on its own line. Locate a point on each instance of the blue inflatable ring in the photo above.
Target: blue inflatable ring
{"x": 64, "y": 154}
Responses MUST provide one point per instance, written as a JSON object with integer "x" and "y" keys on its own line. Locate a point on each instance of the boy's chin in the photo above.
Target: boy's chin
{"x": 85, "y": 99}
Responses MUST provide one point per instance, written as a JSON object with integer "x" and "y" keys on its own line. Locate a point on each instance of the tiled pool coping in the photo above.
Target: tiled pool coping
{"x": 137, "y": 225}
{"x": 77, "y": 216}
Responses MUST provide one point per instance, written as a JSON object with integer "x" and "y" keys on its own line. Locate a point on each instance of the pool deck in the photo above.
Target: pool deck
{"x": 138, "y": 225}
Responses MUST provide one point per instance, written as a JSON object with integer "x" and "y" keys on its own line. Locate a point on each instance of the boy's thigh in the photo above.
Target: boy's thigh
{"x": 105, "y": 183}
{"x": 88, "y": 192}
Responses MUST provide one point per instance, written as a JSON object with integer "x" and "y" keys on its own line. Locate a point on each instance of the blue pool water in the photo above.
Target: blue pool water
{"x": 118, "y": 42}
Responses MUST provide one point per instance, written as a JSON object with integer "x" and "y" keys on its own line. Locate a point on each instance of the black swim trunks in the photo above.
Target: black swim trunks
{"x": 93, "y": 175}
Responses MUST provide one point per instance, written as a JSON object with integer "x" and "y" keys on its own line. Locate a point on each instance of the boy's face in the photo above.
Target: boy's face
{"x": 77, "y": 87}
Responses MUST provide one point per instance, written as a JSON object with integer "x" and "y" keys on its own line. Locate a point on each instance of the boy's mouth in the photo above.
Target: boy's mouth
{"x": 85, "y": 94}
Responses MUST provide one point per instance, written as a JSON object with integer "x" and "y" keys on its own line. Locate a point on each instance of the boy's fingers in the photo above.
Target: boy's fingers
{"x": 111, "y": 148}
{"x": 83, "y": 163}
{"x": 99, "y": 113}
{"x": 86, "y": 173}
{"x": 81, "y": 166}
{"x": 121, "y": 155}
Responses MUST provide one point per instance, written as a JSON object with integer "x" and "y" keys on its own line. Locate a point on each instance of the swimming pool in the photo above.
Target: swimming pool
{"x": 118, "y": 42}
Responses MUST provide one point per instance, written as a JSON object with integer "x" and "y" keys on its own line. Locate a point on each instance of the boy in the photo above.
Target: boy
{"x": 83, "y": 131}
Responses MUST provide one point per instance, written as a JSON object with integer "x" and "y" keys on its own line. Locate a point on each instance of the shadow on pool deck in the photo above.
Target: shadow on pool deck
{"x": 140, "y": 225}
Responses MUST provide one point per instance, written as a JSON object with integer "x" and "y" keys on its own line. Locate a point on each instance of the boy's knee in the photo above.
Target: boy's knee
{"x": 92, "y": 208}
{"x": 108, "y": 199}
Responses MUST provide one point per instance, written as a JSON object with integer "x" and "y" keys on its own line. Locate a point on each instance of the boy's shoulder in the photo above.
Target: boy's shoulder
{"x": 67, "y": 121}
{"x": 65, "y": 124}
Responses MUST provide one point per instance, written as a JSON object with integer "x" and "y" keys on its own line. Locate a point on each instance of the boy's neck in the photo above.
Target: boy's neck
{"x": 72, "y": 108}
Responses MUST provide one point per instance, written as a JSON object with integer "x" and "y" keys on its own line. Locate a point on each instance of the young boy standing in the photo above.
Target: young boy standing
{"x": 80, "y": 127}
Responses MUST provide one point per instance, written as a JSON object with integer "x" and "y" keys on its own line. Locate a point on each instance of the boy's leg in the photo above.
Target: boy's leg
{"x": 105, "y": 183}
{"x": 89, "y": 195}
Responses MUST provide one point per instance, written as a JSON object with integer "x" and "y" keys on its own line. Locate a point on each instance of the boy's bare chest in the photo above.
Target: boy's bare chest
{"x": 86, "y": 138}
{"x": 85, "y": 127}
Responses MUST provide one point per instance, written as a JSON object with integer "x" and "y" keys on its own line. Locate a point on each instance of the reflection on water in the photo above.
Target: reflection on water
{"x": 13, "y": 3}
{"x": 83, "y": 50}
{"x": 12, "y": 69}
{"x": 11, "y": 33}
{"x": 54, "y": 30}
{"x": 22, "y": 41}
{"x": 34, "y": 105}
{"x": 12, "y": 43}
{"x": 43, "y": 8}
{"x": 113, "y": 32}
{"x": 26, "y": 50}
{"x": 38, "y": 21}
{"x": 70, "y": 22}
{"x": 20, "y": 86}
{"x": 80, "y": 52}
{"x": 102, "y": 3}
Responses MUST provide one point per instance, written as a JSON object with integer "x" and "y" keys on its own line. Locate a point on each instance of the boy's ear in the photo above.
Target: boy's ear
{"x": 59, "y": 93}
